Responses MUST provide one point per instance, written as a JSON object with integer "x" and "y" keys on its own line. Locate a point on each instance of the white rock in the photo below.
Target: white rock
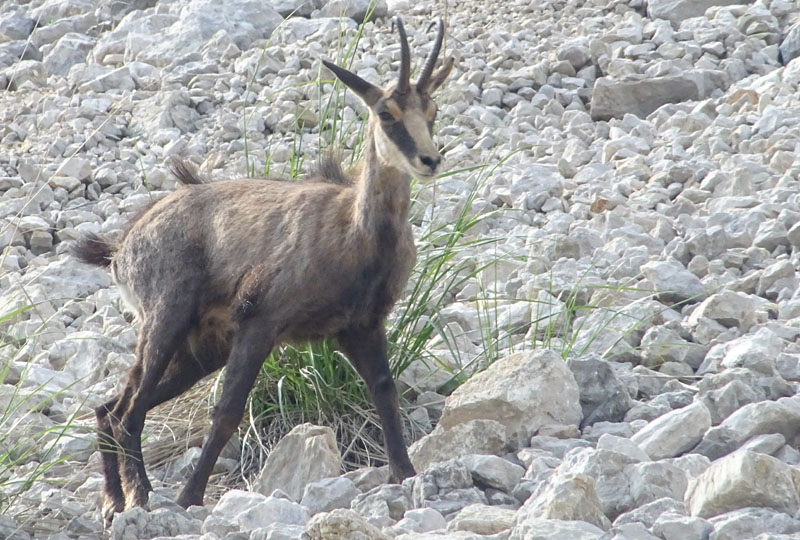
{"x": 744, "y": 479}
{"x": 677, "y": 527}
{"x": 622, "y": 445}
{"x": 342, "y": 523}
{"x": 550, "y": 395}
{"x": 728, "y": 308}
{"x": 306, "y": 454}
{"x": 566, "y": 497}
{"x": 482, "y": 519}
{"x": 474, "y": 436}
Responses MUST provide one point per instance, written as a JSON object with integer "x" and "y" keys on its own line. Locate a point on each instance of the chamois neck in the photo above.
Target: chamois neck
{"x": 383, "y": 191}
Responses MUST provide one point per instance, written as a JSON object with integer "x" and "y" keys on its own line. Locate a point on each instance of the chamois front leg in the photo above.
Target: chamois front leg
{"x": 366, "y": 349}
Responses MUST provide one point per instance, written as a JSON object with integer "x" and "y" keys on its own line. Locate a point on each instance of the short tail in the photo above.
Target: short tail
{"x": 186, "y": 173}
{"x": 92, "y": 249}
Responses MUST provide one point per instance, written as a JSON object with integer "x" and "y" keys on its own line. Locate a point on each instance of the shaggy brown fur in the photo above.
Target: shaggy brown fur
{"x": 221, "y": 272}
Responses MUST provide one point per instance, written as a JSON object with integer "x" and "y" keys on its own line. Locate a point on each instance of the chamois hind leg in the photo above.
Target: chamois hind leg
{"x": 366, "y": 349}
{"x": 161, "y": 335}
{"x": 113, "y": 497}
{"x": 251, "y": 344}
{"x": 183, "y": 371}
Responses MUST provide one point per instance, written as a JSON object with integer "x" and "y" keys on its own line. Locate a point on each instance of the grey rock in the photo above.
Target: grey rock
{"x": 650, "y": 481}
{"x": 790, "y": 46}
{"x": 649, "y": 383}
{"x": 277, "y": 531}
{"x": 354, "y": 9}
{"x": 610, "y": 471}
{"x": 603, "y": 397}
{"x": 675, "y": 432}
{"x": 16, "y": 26}
{"x": 678, "y": 527}
{"x": 723, "y": 396}
{"x": 766, "y": 444}
{"x": 535, "y": 528}
{"x": 10, "y": 530}
{"x": 676, "y": 11}
{"x": 383, "y": 505}
{"x": 556, "y": 446}
{"x": 41, "y": 242}
{"x": 78, "y": 168}
{"x": 418, "y": 520}
{"x": 306, "y": 454}
{"x": 26, "y": 72}
{"x": 776, "y": 277}
{"x": 754, "y": 419}
{"x": 71, "y": 49}
{"x": 139, "y": 524}
{"x": 628, "y": 531}
{"x": 672, "y": 282}
{"x": 744, "y": 479}
{"x": 328, "y": 494}
{"x": 165, "y": 110}
{"x": 751, "y": 522}
{"x": 296, "y": 8}
{"x": 613, "y": 99}
{"x": 446, "y": 487}
{"x": 244, "y": 21}
{"x": 50, "y": 33}
{"x": 576, "y": 53}
{"x": 254, "y": 511}
{"x": 771, "y": 234}
{"x": 661, "y": 345}
{"x": 648, "y": 514}
{"x": 367, "y": 478}
{"x": 493, "y": 471}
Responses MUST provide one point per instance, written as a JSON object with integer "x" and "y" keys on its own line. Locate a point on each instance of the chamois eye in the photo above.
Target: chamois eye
{"x": 386, "y": 116}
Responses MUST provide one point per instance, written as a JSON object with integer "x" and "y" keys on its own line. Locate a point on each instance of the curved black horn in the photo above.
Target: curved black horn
{"x": 425, "y": 78}
{"x": 403, "y": 82}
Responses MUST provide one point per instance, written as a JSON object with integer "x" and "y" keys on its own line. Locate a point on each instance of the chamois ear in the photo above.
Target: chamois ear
{"x": 439, "y": 76}
{"x": 369, "y": 93}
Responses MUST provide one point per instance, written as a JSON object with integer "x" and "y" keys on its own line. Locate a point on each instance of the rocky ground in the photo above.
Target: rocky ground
{"x": 656, "y": 178}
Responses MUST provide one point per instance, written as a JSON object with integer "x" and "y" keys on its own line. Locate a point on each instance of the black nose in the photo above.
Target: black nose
{"x": 431, "y": 162}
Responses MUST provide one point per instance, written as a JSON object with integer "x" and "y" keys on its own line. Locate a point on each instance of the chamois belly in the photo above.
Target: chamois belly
{"x": 360, "y": 304}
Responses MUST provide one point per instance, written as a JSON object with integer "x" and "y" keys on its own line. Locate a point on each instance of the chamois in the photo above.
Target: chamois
{"x": 221, "y": 272}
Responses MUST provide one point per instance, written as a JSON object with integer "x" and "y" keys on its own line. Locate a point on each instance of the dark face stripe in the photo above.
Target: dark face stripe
{"x": 401, "y": 138}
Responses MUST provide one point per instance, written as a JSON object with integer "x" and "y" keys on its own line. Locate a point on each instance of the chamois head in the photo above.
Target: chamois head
{"x": 402, "y": 114}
